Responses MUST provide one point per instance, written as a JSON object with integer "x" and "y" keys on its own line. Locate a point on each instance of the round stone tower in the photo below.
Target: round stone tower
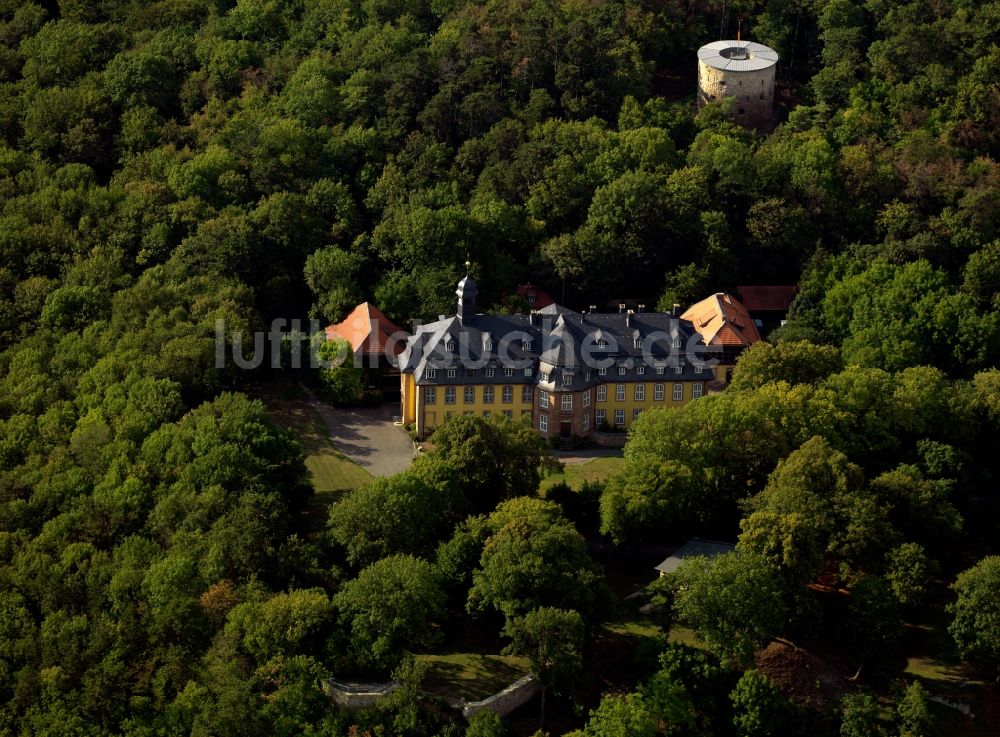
{"x": 743, "y": 70}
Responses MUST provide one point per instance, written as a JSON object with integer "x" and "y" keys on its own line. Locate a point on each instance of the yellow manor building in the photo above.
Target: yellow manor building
{"x": 572, "y": 373}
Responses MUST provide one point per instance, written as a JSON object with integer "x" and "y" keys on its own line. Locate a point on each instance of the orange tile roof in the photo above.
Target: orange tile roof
{"x": 722, "y": 320}
{"x": 367, "y": 330}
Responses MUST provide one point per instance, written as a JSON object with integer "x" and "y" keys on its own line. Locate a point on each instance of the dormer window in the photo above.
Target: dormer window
{"x": 677, "y": 342}
{"x": 489, "y": 345}
{"x": 432, "y": 373}
{"x": 451, "y": 373}
{"x": 526, "y": 345}
{"x": 450, "y": 345}
{"x": 679, "y": 369}
{"x": 602, "y": 343}
{"x": 567, "y": 379}
{"x": 638, "y": 343}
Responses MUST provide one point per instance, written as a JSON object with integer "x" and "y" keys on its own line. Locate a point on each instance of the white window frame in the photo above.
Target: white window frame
{"x": 621, "y": 370}
{"x": 638, "y": 343}
{"x": 490, "y": 373}
{"x": 602, "y": 371}
{"x": 508, "y": 372}
{"x": 450, "y": 345}
{"x": 507, "y": 395}
{"x": 602, "y": 343}
{"x": 660, "y": 370}
{"x": 489, "y": 345}
{"x": 450, "y": 373}
{"x": 586, "y": 421}
{"x": 529, "y": 372}
{"x": 679, "y": 369}
{"x": 639, "y": 393}
{"x": 658, "y": 392}
{"x": 602, "y": 393}
{"x": 586, "y": 398}
{"x": 487, "y": 395}
{"x": 619, "y": 392}
{"x": 469, "y": 395}
{"x": 619, "y": 418}
{"x": 636, "y": 412}
{"x": 432, "y": 373}
{"x": 526, "y": 396}
{"x": 697, "y": 390}
{"x": 526, "y": 345}
{"x": 449, "y": 395}
{"x": 566, "y": 403}
{"x": 600, "y": 417}
{"x": 678, "y": 392}
{"x": 430, "y": 395}
{"x": 543, "y": 423}
{"x": 567, "y": 379}
{"x": 641, "y": 370}
{"x": 543, "y": 400}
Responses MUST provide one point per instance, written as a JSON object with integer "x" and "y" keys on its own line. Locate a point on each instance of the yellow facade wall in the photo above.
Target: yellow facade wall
{"x": 430, "y": 415}
{"x": 630, "y": 403}
{"x": 408, "y": 398}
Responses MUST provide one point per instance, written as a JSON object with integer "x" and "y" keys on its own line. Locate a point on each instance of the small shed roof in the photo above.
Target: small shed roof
{"x": 738, "y": 56}
{"x": 694, "y": 547}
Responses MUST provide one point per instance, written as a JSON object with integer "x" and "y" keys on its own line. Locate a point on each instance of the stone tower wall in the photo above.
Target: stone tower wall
{"x": 754, "y": 91}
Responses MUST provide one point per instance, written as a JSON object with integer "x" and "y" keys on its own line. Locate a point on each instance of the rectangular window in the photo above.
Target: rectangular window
{"x": 621, "y": 370}
{"x": 659, "y": 370}
{"x": 602, "y": 343}
{"x": 543, "y": 400}
{"x": 586, "y": 422}
{"x": 586, "y": 398}
{"x": 470, "y": 395}
{"x": 602, "y": 371}
{"x": 526, "y": 394}
{"x": 640, "y": 392}
{"x": 679, "y": 369}
{"x": 602, "y": 393}
{"x": 658, "y": 393}
{"x": 490, "y": 373}
{"x": 677, "y": 342}
{"x": 432, "y": 373}
{"x": 696, "y": 390}
{"x": 567, "y": 379}
{"x": 599, "y": 417}
{"x": 635, "y": 413}
{"x": 698, "y": 368}
{"x": 430, "y": 395}
{"x": 620, "y": 393}
{"x": 619, "y": 417}
{"x": 508, "y": 372}
{"x": 526, "y": 345}
{"x": 529, "y": 372}
{"x": 545, "y": 376}
{"x": 543, "y": 423}
{"x": 450, "y": 345}
{"x": 566, "y": 403}
{"x": 449, "y": 395}
{"x": 487, "y": 395}
{"x": 678, "y": 392}
{"x": 508, "y": 395}
{"x": 489, "y": 345}
{"x": 638, "y": 342}
{"x": 640, "y": 370}
{"x": 451, "y": 373}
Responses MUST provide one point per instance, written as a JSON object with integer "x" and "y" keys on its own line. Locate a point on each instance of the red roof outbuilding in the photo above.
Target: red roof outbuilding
{"x": 368, "y": 331}
{"x": 767, "y": 298}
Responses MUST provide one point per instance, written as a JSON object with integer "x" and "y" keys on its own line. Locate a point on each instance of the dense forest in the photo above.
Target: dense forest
{"x": 166, "y": 165}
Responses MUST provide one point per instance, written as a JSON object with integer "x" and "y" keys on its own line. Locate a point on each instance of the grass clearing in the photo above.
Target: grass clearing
{"x": 472, "y": 676}
{"x": 592, "y": 470}
{"x": 331, "y": 473}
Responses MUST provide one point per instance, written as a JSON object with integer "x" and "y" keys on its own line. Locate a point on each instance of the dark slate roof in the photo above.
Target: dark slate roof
{"x": 694, "y": 547}
{"x": 566, "y": 348}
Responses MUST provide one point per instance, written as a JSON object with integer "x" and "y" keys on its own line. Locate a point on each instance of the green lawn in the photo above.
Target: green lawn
{"x": 330, "y": 472}
{"x": 575, "y": 474}
{"x": 472, "y": 676}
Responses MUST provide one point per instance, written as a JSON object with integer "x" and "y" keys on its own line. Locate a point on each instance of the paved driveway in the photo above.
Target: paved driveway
{"x": 367, "y": 436}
